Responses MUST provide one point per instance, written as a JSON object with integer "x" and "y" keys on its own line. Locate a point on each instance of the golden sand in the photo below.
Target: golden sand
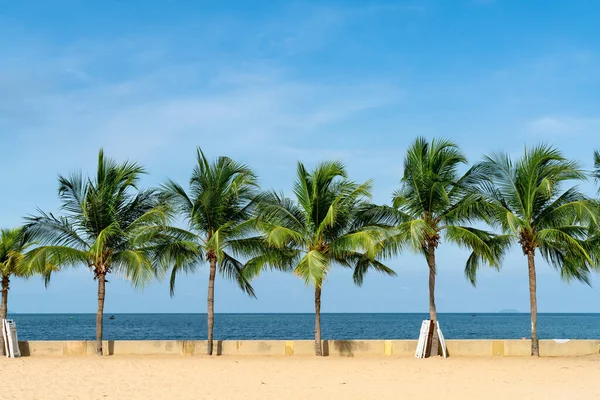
{"x": 249, "y": 378}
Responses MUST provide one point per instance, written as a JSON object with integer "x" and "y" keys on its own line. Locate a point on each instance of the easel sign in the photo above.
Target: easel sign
{"x": 11, "y": 341}
{"x": 424, "y": 345}
{"x": 442, "y": 340}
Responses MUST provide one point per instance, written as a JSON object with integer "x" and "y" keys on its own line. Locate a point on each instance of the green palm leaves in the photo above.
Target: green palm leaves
{"x": 107, "y": 224}
{"x": 325, "y": 226}
{"x": 528, "y": 201}
{"x": 14, "y": 244}
{"x": 217, "y": 210}
{"x": 328, "y": 224}
{"x": 435, "y": 199}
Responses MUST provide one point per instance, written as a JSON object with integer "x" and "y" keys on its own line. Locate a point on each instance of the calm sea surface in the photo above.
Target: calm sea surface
{"x": 301, "y": 326}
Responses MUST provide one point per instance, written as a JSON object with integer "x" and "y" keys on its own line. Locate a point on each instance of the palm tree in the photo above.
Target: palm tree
{"x": 325, "y": 226}
{"x": 435, "y": 199}
{"x": 217, "y": 208}
{"x": 108, "y": 226}
{"x": 14, "y": 246}
{"x": 527, "y": 199}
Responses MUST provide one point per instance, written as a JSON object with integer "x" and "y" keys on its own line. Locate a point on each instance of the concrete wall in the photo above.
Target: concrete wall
{"x": 333, "y": 348}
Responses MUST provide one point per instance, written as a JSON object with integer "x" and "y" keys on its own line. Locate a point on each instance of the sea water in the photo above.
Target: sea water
{"x": 301, "y": 326}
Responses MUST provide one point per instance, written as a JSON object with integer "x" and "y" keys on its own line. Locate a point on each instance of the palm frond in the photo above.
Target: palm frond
{"x": 46, "y": 260}
{"x": 312, "y": 268}
{"x": 233, "y": 270}
{"x": 364, "y": 264}
{"x": 15, "y": 248}
{"x": 218, "y": 207}
{"x": 135, "y": 265}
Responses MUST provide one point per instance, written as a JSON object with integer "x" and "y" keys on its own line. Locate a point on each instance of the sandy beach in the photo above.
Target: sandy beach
{"x": 298, "y": 378}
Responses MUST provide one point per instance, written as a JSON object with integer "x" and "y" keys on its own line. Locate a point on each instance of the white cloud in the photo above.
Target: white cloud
{"x": 140, "y": 100}
{"x": 564, "y": 125}
{"x": 147, "y": 120}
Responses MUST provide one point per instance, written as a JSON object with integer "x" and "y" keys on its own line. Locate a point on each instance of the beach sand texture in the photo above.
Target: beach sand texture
{"x": 261, "y": 377}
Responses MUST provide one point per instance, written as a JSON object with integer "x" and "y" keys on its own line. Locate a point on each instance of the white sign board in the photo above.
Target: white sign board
{"x": 442, "y": 340}
{"x": 423, "y": 340}
{"x": 11, "y": 341}
{"x": 3, "y": 331}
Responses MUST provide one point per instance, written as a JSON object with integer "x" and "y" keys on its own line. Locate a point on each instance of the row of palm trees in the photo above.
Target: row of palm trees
{"x": 109, "y": 225}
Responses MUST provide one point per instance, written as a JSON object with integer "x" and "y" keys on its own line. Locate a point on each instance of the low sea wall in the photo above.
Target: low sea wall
{"x": 337, "y": 348}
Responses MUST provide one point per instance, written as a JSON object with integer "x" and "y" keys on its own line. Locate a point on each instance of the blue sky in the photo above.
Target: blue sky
{"x": 272, "y": 82}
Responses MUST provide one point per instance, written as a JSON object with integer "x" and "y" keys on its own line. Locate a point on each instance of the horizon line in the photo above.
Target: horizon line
{"x": 292, "y": 313}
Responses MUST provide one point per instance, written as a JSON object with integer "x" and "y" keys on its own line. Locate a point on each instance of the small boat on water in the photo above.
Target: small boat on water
{"x": 111, "y": 317}
{"x": 473, "y": 315}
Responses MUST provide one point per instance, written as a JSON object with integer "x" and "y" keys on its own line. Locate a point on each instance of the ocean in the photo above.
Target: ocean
{"x": 301, "y": 326}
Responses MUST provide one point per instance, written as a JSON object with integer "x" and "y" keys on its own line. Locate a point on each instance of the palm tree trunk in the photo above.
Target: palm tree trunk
{"x": 432, "y": 311}
{"x": 533, "y": 303}
{"x": 318, "y": 347}
{"x": 3, "y": 308}
{"x": 211, "y": 304}
{"x": 100, "y": 313}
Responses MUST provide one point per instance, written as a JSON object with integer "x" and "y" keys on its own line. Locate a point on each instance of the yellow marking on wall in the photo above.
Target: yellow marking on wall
{"x": 289, "y": 348}
{"x": 498, "y": 347}
{"x": 388, "y": 347}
